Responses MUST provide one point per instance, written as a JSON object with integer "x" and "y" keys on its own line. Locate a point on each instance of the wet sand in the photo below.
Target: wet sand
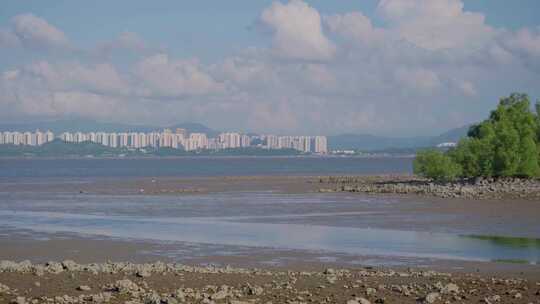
{"x": 505, "y": 217}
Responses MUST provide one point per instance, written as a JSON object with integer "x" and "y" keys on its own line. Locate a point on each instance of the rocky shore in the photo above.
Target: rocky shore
{"x": 477, "y": 188}
{"x": 68, "y": 282}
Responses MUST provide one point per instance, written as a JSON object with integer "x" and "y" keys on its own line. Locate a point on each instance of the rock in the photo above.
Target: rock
{"x": 432, "y": 297}
{"x": 125, "y": 286}
{"x": 329, "y": 271}
{"x": 331, "y": 280}
{"x": 518, "y": 295}
{"x": 19, "y": 300}
{"x": 254, "y": 290}
{"x": 222, "y": 294}
{"x": 103, "y": 297}
{"x": 152, "y": 298}
{"x": 4, "y": 288}
{"x": 450, "y": 288}
{"x": 169, "y": 300}
{"x": 54, "y": 267}
{"x": 359, "y": 301}
{"x": 492, "y": 299}
{"x": 143, "y": 273}
{"x": 70, "y": 265}
{"x": 180, "y": 295}
{"x": 371, "y": 291}
{"x": 84, "y": 288}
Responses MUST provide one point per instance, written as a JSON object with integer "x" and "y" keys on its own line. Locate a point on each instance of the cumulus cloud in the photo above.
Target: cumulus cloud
{"x": 297, "y": 31}
{"x": 437, "y": 24}
{"x": 356, "y": 27}
{"x": 125, "y": 41}
{"x": 8, "y": 39}
{"x": 162, "y": 77}
{"x": 35, "y": 32}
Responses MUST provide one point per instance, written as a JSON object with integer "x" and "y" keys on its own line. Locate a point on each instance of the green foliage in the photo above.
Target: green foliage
{"x": 505, "y": 144}
{"x": 436, "y": 165}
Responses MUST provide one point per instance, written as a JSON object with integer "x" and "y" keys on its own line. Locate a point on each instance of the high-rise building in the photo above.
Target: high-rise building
{"x": 8, "y": 138}
{"x": 123, "y": 139}
{"x": 320, "y": 144}
{"x": 134, "y": 141}
{"x": 142, "y": 140}
{"x": 197, "y": 141}
{"x": 272, "y": 142}
{"x": 245, "y": 141}
{"x": 229, "y": 140}
{"x": 40, "y": 138}
{"x": 182, "y": 132}
{"x": 113, "y": 140}
{"x": 18, "y": 138}
{"x": 49, "y": 136}
{"x": 166, "y": 138}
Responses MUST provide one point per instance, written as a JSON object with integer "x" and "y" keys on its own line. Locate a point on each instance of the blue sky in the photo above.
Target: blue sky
{"x": 285, "y": 67}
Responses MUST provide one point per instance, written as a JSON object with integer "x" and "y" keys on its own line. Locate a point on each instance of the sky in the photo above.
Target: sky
{"x": 387, "y": 67}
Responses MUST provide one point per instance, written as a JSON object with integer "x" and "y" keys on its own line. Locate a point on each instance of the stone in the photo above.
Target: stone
{"x": 450, "y": 288}
{"x": 54, "y": 267}
{"x": 432, "y": 297}
{"x": 371, "y": 291}
{"x": 19, "y": 300}
{"x": 143, "y": 273}
{"x": 84, "y": 288}
{"x": 359, "y": 301}
{"x": 222, "y": 294}
{"x": 125, "y": 286}
{"x": 254, "y": 290}
{"x": 4, "y": 288}
{"x": 152, "y": 298}
{"x": 70, "y": 265}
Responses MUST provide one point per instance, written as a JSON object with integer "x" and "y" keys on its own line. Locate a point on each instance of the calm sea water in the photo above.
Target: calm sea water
{"x": 200, "y": 166}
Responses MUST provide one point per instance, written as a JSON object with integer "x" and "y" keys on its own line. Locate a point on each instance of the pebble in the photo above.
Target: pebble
{"x": 84, "y": 288}
{"x": 432, "y": 297}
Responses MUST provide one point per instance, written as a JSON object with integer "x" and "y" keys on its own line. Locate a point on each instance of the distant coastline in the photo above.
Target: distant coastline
{"x": 59, "y": 150}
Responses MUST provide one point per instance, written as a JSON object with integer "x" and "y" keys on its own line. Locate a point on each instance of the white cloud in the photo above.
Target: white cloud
{"x": 418, "y": 79}
{"x": 436, "y": 24}
{"x": 160, "y": 76}
{"x": 8, "y": 39}
{"x": 525, "y": 43}
{"x": 356, "y": 27}
{"x": 125, "y": 41}
{"x": 35, "y": 32}
{"x": 297, "y": 31}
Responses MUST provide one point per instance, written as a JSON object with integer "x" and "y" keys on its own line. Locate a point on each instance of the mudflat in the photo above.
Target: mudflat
{"x": 38, "y": 216}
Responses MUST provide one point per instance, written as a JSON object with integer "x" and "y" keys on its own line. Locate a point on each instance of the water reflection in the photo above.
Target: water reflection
{"x": 225, "y": 231}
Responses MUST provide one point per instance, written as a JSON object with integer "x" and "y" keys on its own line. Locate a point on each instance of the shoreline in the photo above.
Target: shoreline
{"x": 399, "y": 184}
{"x": 68, "y": 282}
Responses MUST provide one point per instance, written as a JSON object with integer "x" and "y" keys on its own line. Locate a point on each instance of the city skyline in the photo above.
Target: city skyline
{"x": 179, "y": 139}
{"x": 385, "y": 67}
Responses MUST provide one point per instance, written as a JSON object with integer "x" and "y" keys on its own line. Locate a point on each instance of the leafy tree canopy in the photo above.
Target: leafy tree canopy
{"x": 505, "y": 144}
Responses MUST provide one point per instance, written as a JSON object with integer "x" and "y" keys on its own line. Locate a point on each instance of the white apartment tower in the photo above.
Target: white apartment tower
{"x": 321, "y": 145}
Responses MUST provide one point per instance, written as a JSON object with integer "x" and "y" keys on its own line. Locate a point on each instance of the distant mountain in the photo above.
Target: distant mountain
{"x": 368, "y": 142}
{"x": 453, "y": 135}
{"x": 87, "y": 125}
{"x": 195, "y": 128}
